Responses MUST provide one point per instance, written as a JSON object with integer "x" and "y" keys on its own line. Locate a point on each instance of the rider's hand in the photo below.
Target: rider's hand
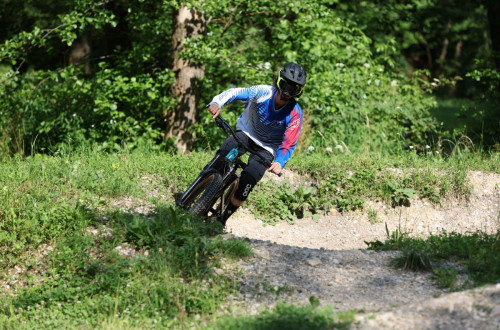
{"x": 275, "y": 168}
{"x": 214, "y": 110}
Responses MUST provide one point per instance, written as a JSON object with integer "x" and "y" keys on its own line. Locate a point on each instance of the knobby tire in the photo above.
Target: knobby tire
{"x": 206, "y": 190}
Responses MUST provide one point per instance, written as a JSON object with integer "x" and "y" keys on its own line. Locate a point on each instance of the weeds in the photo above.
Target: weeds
{"x": 412, "y": 260}
{"x": 290, "y": 317}
{"x": 478, "y": 255}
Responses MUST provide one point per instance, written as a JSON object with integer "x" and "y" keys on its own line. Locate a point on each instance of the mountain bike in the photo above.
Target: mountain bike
{"x": 210, "y": 193}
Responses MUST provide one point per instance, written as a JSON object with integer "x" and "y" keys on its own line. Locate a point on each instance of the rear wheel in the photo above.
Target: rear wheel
{"x": 201, "y": 197}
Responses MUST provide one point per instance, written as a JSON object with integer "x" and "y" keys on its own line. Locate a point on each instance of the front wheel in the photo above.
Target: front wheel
{"x": 222, "y": 200}
{"x": 200, "y": 197}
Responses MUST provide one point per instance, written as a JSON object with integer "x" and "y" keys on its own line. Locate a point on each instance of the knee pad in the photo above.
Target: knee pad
{"x": 245, "y": 186}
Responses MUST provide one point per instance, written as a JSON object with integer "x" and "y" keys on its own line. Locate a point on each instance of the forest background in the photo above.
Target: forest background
{"x": 382, "y": 75}
{"x": 97, "y": 97}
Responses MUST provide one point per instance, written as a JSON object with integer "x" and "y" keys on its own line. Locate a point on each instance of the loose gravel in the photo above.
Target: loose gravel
{"x": 328, "y": 259}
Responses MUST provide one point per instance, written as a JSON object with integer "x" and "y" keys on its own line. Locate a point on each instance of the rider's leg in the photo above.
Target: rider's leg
{"x": 250, "y": 176}
{"x": 229, "y": 144}
{"x": 246, "y": 184}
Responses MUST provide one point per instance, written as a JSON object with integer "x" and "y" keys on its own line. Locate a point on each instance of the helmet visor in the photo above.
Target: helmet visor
{"x": 289, "y": 88}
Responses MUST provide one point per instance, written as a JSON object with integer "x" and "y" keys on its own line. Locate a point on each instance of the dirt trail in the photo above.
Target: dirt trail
{"x": 327, "y": 259}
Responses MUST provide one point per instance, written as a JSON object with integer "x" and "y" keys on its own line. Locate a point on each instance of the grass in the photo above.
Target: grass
{"x": 64, "y": 206}
{"x": 289, "y": 317}
{"x": 87, "y": 263}
{"x": 345, "y": 181}
{"x": 473, "y": 255}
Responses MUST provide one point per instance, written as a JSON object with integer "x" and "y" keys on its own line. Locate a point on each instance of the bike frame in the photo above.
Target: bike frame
{"x": 231, "y": 162}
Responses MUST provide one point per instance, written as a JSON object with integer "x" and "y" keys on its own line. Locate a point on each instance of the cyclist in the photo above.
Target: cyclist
{"x": 270, "y": 125}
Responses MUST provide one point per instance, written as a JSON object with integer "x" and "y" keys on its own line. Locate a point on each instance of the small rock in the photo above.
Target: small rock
{"x": 218, "y": 271}
{"x": 495, "y": 311}
{"x": 314, "y": 262}
{"x": 227, "y": 236}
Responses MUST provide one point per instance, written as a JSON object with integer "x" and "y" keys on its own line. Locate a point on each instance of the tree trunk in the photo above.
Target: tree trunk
{"x": 80, "y": 53}
{"x": 188, "y": 23}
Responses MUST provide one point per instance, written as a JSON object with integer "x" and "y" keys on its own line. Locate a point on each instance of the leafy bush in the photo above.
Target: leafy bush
{"x": 350, "y": 96}
{"x": 43, "y": 110}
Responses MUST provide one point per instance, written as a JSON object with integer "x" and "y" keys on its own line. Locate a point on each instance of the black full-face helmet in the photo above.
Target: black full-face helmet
{"x": 291, "y": 80}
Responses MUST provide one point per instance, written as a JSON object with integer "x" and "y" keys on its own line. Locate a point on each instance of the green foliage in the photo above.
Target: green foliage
{"x": 285, "y": 203}
{"x": 485, "y": 110}
{"x": 185, "y": 242}
{"x": 412, "y": 260}
{"x": 445, "y": 277}
{"x": 290, "y": 317}
{"x": 46, "y": 110}
{"x": 400, "y": 196}
{"x": 345, "y": 181}
{"x": 88, "y": 264}
{"x": 366, "y": 89}
{"x": 478, "y": 253}
{"x": 350, "y": 98}
{"x": 82, "y": 14}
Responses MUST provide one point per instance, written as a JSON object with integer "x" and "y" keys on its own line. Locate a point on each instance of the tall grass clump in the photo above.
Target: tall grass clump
{"x": 289, "y": 317}
{"x": 476, "y": 255}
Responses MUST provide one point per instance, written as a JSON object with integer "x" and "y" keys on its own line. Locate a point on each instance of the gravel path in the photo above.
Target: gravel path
{"x": 327, "y": 259}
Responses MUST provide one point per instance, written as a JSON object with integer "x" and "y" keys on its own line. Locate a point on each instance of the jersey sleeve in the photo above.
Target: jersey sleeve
{"x": 232, "y": 94}
{"x": 240, "y": 94}
{"x": 290, "y": 138}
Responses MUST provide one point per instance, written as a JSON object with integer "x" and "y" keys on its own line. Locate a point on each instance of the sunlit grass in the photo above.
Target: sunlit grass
{"x": 100, "y": 244}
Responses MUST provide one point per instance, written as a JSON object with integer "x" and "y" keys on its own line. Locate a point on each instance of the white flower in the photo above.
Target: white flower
{"x": 310, "y": 148}
{"x": 339, "y": 147}
{"x": 398, "y": 108}
{"x": 366, "y": 65}
{"x": 427, "y": 147}
{"x": 267, "y": 65}
{"x": 411, "y": 147}
{"x": 340, "y": 65}
{"x": 74, "y": 115}
{"x": 394, "y": 83}
{"x": 328, "y": 149}
{"x": 437, "y": 152}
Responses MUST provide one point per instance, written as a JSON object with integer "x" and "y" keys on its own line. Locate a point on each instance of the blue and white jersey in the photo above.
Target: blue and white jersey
{"x": 275, "y": 130}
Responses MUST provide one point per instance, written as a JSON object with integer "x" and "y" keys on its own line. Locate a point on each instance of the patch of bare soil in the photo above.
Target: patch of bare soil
{"x": 328, "y": 259}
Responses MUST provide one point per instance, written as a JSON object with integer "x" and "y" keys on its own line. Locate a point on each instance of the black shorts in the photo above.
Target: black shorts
{"x": 255, "y": 166}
